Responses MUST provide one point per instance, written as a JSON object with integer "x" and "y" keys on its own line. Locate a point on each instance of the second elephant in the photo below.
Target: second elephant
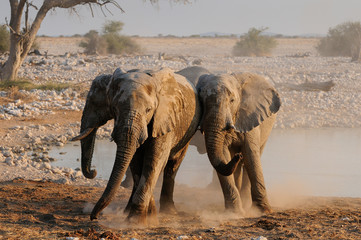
{"x": 239, "y": 111}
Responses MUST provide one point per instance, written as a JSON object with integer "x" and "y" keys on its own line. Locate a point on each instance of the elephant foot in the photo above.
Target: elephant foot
{"x": 168, "y": 208}
{"x": 137, "y": 218}
{"x": 235, "y": 210}
{"x": 152, "y": 210}
{"x": 259, "y": 210}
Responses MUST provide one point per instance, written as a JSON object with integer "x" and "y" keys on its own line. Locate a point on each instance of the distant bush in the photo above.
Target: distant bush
{"x": 254, "y": 43}
{"x": 110, "y": 41}
{"x": 117, "y": 44}
{"x": 94, "y": 43}
{"x": 4, "y": 39}
{"x": 342, "y": 40}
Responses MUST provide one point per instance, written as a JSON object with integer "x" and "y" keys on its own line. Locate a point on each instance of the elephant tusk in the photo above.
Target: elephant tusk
{"x": 83, "y": 134}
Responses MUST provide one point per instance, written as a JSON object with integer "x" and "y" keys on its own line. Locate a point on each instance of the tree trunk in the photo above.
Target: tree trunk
{"x": 22, "y": 40}
{"x": 11, "y": 67}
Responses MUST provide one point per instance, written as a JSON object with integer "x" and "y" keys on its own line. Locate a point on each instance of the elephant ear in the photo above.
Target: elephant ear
{"x": 170, "y": 102}
{"x": 259, "y": 100}
{"x": 113, "y": 86}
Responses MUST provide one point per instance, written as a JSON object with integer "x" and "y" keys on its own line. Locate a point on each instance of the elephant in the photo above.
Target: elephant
{"x": 155, "y": 116}
{"x": 239, "y": 111}
{"x": 192, "y": 74}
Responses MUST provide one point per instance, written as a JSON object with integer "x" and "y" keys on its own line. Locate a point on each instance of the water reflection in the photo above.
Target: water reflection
{"x": 326, "y": 162}
{"x": 323, "y": 162}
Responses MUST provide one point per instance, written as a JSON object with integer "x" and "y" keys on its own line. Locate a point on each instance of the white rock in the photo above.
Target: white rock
{"x": 9, "y": 161}
{"x": 56, "y": 170}
{"x": 259, "y": 238}
{"x": 182, "y": 237}
{"x": 78, "y": 174}
{"x": 45, "y": 166}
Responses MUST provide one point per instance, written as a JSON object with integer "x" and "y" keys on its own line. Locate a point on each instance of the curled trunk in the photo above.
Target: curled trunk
{"x": 215, "y": 144}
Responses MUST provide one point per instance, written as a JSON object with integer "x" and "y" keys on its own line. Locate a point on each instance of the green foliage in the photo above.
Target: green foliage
{"x": 110, "y": 42}
{"x": 94, "y": 43}
{"x": 254, "y": 44}
{"x": 342, "y": 40}
{"x": 4, "y": 39}
{"x": 118, "y": 44}
{"x": 114, "y": 27}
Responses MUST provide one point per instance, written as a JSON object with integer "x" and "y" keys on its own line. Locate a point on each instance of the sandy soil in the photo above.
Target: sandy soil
{"x": 46, "y": 210}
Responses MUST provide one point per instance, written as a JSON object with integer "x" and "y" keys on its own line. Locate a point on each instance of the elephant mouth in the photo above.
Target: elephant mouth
{"x": 83, "y": 134}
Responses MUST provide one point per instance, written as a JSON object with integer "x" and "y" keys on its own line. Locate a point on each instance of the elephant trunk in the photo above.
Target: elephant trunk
{"x": 215, "y": 142}
{"x": 87, "y": 149}
{"x": 126, "y": 147}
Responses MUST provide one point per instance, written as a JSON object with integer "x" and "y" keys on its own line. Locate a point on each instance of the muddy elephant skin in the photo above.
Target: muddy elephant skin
{"x": 239, "y": 111}
{"x": 155, "y": 116}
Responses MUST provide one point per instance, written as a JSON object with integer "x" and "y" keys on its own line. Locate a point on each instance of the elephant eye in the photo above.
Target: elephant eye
{"x": 148, "y": 109}
{"x": 232, "y": 100}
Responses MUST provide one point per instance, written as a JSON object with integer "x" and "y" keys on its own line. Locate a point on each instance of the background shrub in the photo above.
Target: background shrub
{"x": 110, "y": 41}
{"x": 94, "y": 43}
{"x": 254, "y": 43}
{"x": 4, "y": 39}
{"x": 342, "y": 40}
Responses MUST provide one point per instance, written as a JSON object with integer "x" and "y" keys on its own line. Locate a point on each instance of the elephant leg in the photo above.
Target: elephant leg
{"x": 152, "y": 212}
{"x": 136, "y": 166}
{"x": 155, "y": 157}
{"x": 255, "y": 173}
{"x": 232, "y": 199}
{"x": 245, "y": 190}
{"x": 170, "y": 171}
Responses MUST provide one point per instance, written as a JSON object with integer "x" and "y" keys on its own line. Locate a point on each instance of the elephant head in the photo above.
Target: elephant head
{"x": 95, "y": 114}
{"x": 232, "y": 102}
{"x": 144, "y": 105}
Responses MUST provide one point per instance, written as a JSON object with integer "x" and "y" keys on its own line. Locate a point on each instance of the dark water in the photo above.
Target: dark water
{"x": 321, "y": 162}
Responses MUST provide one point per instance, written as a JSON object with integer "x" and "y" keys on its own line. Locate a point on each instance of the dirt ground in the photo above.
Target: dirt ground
{"x": 46, "y": 210}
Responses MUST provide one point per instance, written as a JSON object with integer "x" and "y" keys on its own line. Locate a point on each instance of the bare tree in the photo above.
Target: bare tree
{"x": 21, "y": 39}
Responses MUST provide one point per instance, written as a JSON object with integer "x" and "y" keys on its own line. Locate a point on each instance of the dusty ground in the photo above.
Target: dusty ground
{"x": 46, "y": 210}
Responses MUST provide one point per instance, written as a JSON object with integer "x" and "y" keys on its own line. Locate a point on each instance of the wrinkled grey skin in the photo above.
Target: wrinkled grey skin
{"x": 97, "y": 112}
{"x": 239, "y": 111}
{"x": 155, "y": 116}
{"x": 192, "y": 74}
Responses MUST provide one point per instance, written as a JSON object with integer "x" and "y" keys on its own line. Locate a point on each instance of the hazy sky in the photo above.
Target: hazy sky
{"x": 288, "y": 17}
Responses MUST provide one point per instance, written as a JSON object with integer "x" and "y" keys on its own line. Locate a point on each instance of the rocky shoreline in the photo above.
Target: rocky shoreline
{"x": 28, "y": 156}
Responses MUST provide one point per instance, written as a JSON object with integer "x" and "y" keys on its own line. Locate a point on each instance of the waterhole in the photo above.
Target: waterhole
{"x": 319, "y": 162}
